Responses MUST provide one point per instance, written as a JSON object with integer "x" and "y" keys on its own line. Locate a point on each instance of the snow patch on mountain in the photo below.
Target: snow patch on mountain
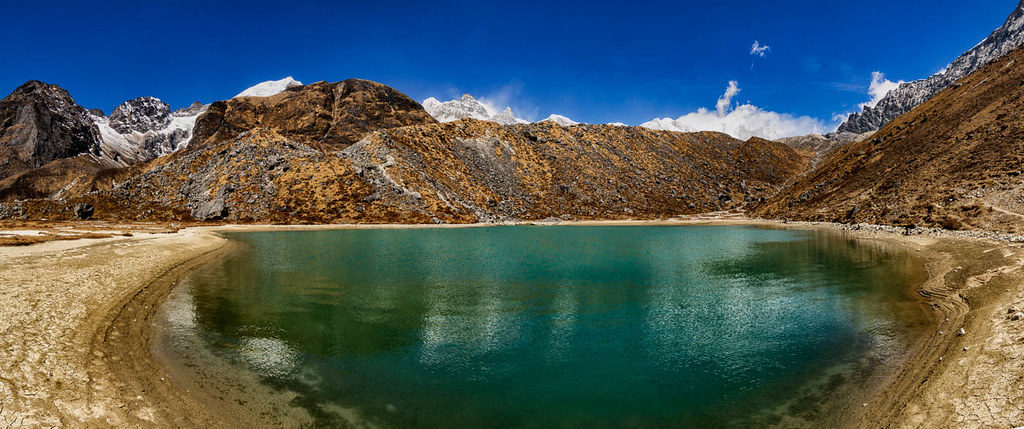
{"x": 741, "y": 121}
{"x": 468, "y": 107}
{"x": 560, "y": 120}
{"x": 269, "y": 88}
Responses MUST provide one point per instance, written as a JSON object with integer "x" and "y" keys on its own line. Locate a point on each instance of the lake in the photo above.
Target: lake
{"x": 561, "y": 326}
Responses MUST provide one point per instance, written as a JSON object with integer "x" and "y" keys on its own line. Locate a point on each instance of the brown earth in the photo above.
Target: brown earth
{"x": 460, "y": 172}
{"x": 322, "y": 115}
{"x": 953, "y": 162}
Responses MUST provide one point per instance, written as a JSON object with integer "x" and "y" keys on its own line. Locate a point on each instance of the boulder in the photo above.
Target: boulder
{"x": 211, "y": 210}
{"x": 84, "y": 211}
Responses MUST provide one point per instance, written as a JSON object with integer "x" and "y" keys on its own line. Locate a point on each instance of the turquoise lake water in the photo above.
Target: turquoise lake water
{"x": 525, "y": 326}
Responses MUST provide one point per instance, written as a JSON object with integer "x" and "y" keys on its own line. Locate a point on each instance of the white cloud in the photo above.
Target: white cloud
{"x": 879, "y": 88}
{"x": 757, "y": 49}
{"x": 510, "y": 95}
{"x": 725, "y": 101}
{"x": 742, "y": 121}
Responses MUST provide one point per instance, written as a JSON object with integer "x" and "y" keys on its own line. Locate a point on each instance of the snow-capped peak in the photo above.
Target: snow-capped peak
{"x": 560, "y": 120}
{"x": 507, "y": 118}
{"x": 617, "y": 124}
{"x": 269, "y": 88}
{"x": 145, "y": 128}
{"x": 468, "y": 107}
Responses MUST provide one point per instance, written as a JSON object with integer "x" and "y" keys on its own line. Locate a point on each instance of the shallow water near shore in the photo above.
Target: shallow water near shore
{"x": 520, "y": 326}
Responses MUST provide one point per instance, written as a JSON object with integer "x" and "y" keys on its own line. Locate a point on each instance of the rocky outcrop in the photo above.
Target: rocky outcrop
{"x": 322, "y": 115}
{"x": 140, "y": 115}
{"x": 953, "y": 162}
{"x": 40, "y": 123}
{"x": 909, "y": 95}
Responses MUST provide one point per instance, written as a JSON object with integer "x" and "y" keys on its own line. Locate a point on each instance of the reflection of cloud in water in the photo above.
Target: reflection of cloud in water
{"x": 563, "y": 322}
{"x": 271, "y": 356}
{"x": 484, "y": 326}
{"x": 179, "y": 312}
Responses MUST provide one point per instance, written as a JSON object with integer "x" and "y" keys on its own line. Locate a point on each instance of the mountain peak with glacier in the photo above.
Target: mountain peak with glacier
{"x": 468, "y": 107}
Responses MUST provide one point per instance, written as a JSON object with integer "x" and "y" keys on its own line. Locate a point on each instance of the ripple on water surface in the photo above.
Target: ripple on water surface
{"x": 553, "y": 326}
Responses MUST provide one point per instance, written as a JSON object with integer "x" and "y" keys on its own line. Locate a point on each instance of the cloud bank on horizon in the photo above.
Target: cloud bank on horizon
{"x": 741, "y": 121}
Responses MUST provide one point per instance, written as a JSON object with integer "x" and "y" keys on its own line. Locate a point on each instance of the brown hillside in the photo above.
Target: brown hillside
{"x": 465, "y": 171}
{"x": 322, "y": 115}
{"x": 955, "y": 161}
{"x": 65, "y": 177}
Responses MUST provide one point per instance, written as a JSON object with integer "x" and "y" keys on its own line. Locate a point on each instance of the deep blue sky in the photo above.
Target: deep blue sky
{"x": 594, "y": 61}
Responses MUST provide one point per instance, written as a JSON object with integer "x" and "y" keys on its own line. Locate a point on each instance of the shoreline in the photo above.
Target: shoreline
{"x": 119, "y": 341}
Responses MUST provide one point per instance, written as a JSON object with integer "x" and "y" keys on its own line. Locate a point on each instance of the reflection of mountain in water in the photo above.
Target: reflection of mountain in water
{"x": 656, "y": 324}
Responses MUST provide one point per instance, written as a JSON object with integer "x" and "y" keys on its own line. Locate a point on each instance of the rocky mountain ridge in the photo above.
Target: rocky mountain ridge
{"x": 911, "y": 94}
{"x": 322, "y": 115}
{"x": 359, "y": 151}
{"x": 456, "y": 172}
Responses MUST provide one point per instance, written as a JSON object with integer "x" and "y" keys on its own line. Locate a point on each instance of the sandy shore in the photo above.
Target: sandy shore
{"x": 58, "y": 303}
{"x": 74, "y": 331}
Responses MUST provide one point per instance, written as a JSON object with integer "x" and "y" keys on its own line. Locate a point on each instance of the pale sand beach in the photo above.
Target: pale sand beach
{"x": 58, "y": 303}
{"x": 75, "y": 332}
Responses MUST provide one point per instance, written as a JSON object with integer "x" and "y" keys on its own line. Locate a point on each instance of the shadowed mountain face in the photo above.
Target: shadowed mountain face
{"x": 955, "y": 161}
{"x": 40, "y": 123}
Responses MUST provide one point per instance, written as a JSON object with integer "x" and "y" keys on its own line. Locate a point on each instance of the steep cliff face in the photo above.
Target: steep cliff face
{"x": 321, "y": 115}
{"x": 909, "y": 95}
{"x": 955, "y": 161}
{"x": 40, "y": 123}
